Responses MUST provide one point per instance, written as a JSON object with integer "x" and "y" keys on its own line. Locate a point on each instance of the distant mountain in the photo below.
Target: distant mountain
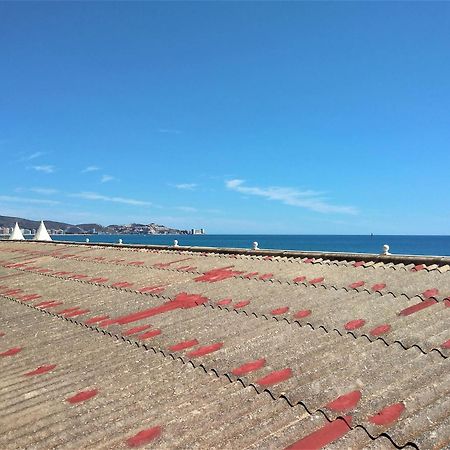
{"x": 134, "y": 228}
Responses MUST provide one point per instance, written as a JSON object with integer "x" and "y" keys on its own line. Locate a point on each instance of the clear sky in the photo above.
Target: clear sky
{"x": 273, "y": 117}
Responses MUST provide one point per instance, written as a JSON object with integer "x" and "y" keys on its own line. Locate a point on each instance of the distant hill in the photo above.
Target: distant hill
{"x": 152, "y": 228}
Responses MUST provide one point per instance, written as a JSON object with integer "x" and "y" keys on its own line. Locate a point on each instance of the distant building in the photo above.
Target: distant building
{"x": 198, "y": 231}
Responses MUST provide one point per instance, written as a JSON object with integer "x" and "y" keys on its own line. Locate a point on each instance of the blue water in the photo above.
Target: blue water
{"x": 407, "y": 245}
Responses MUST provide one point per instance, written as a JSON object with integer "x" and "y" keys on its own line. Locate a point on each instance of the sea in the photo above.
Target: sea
{"x": 404, "y": 245}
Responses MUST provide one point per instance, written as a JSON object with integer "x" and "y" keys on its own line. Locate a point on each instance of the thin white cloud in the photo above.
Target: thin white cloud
{"x": 106, "y": 178}
{"x": 90, "y": 169}
{"x": 169, "y": 131}
{"x": 32, "y": 156}
{"x": 35, "y": 201}
{"x": 44, "y": 168}
{"x": 126, "y": 201}
{"x": 44, "y": 191}
{"x": 185, "y": 186}
{"x": 187, "y": 209}
{"x": 289, "y": 196}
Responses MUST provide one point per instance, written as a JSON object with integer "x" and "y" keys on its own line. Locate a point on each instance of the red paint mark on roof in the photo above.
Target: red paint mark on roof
{"x": 378, "y": 287}
{"x": 30, "y": 297}
{"x": 324, "y": 435}
{"x": 68, "y": 310}
{"x": 345, "y": 402}
{"x": 249, "y": 367}
{"x": 62, "y": 273}
{"x": 242, "y": 304}
{"x": 12, "y": 292}
{"x": 381, "y": 329}
{"x": 82, "y": 396}
{"x": 418, "y": 268}
{"x": 317, "y": 280}
{"x": 205, "y": 350}
{"x": 182, "y": 301}
{"x": 447, "y": 302}
{"x": 77, "y": 313}
{"x": 183, "y": 345}
{"x": 302, "y": 314}
{"x": 98, "y": 280}
{"x": 122, "y": 284}
{"x": 446, "y": 344}
{"x": 358, "y": 263}
{"x": 149, "y": 334}
{"x": 136, "y": 330}
{"x": 144, "y": 437}
{"x": 282, "y": 310}
{"x": 266, "y": 276}
{"x": 168, "y": 264}
{"x": 251, "y": 275}
{"x": 277, "y": 376}
{"x": 78, "y": 276}
{"x": 96, "y": 319}
{"x": 2, "y": 334}
{"x": 11, "y": 351}
{"x": 52, "y": 305}
{"x": 308, "y": 260}
{"x": 356, "y": 284}
{"x": 417, "y": 307}
{"x": 299, "y": 279}
{"x": 430, "y": 293}
{"x": 136, "y": 263}
{"x": 267, "y": 258}
{"x": 40, "y": 370}
{"x": 354, "y": 324}
{"x": 388, "y": 415}
{"x": 225, "y": 301}
{"x": 219, "y": 274}
{"x": 153, "y": 289}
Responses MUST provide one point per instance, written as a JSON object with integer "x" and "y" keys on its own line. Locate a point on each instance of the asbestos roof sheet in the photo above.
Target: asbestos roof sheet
{"x": 115, "y": 347}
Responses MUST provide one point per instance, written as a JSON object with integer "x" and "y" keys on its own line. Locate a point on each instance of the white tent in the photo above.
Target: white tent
{"x": 42, "y": 233}
{"x": 16, "y": 235}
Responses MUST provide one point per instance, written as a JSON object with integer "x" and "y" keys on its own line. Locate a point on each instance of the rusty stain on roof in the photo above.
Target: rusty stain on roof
{"x": 241, "y": 350}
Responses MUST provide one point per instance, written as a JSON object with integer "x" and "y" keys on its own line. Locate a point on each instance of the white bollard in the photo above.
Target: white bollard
{"x": 255, "y": 246}
{"x": 87, "y": 240}
{"x": 385, "y": 249}
{"x": 120, "y": 241}
{"x": 175, "y": 243}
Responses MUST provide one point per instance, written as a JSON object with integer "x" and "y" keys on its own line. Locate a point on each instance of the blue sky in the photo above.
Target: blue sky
{"x": 236, "y": 117}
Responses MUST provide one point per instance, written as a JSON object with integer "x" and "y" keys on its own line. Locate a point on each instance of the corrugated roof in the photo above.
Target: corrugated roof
{"x": 121, "y": 347}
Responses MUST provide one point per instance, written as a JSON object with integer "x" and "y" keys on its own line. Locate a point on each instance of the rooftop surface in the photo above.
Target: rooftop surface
{"x": 118, "y": 347}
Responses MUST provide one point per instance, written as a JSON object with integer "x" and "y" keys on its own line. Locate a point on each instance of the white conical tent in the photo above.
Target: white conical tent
{"x": 42, "y": 233}
{"x": 16, "y": 235}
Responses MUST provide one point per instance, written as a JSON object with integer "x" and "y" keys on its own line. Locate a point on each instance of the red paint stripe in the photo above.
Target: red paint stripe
{"x": 122, "y": 284}
{"x": 98, "y": 280}
{"x": 447, "y": 302}
{"x": 53, "y": 305}
{"x": 11, "y": 351}
{"x": 82, "y": 396}
{"x": 446, "y": 344}
{"x": 266, "y": 276}
{"x": 78, "y": 276}
{"x": 249, "y": 367}
{"x": 323, "y": 436}
{"x": 378, "y": 287}
{"x": 144, "y": 437}
{"x": 96, "y": 319}
{"x": 282, "y": 310}
{"x": 302, "y": 314}
{"x": 2, "y": 334}
{"x": 183, "y": 345}
{"x": 308, "y": 260}
{"x": 299, "y": 279}
{"x": 418, "y": 268}
{"x": 40, "y": 370}
{"x": 381, "y": 329}
{"x": 358, "y": 263}
{"x": 388, "y": 415}
{"x": 135, "y": 330}
{"x": 68, "y": 310}
{"x": 356, "y": 284}
{"x": 275, "y": 377}
{"x": 202, "y": 351}
{"x": 251, "y": 275}
{"x": 418, "y": 307}
{"x": 354, "y": 324}
{"x": 153, "y": 289}
{"x": 316, "y": 280}
{"x": 242, "y": 304}
{"x": 149, "y": 335}
{"x": 29, "y": 298}
{"x": 345, "y": 402}
{"x": 430, "y": 293}
{"x": 136, "y": 263}
{"x": 225, "y": 301}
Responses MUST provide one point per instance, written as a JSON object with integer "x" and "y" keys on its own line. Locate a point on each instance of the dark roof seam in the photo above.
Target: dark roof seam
{"x": 231, "y": 378}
